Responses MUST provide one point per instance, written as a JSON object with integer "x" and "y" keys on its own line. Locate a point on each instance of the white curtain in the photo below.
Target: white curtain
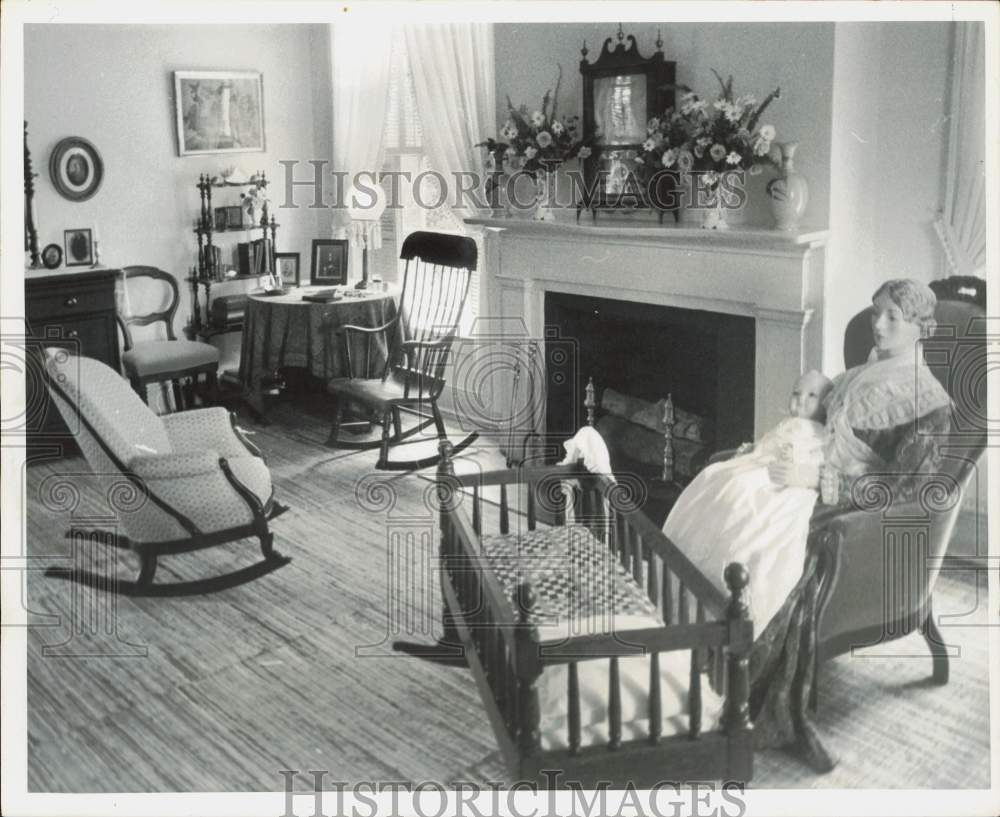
{"x": 454, "y": 83}
{"x": 360, "y": 60}
{"x": 961, "y": 226}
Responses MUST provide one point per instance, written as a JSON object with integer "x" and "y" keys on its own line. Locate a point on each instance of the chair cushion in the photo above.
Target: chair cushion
{"x": 156, "y": 357}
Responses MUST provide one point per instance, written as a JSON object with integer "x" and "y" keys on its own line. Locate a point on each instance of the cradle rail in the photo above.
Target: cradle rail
{"x": 507, "y": 657}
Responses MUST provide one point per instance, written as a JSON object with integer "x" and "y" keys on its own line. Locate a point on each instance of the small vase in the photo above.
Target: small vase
{"x": 713, "y": 217}
{"x": 789, "y": 193}
{"x": 545, "y": 191}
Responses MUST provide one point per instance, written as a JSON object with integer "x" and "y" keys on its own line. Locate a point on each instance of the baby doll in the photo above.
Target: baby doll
{"x": 733, "y": 512}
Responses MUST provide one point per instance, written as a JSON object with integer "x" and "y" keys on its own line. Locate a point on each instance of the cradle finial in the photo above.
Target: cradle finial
{"x": 588, "y": 402}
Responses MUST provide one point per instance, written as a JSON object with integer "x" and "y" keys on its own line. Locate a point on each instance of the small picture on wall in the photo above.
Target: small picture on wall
{"x": 219, "y": 111}
{"x": 79, "y": 246}
{"x": 287, "y": 265}
{"x": 329, "y": 261}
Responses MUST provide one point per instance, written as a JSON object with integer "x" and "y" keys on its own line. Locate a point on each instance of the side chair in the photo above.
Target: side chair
{"x": 163, "y": 361}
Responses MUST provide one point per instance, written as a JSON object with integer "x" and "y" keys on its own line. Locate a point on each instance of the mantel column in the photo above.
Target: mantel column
{"x": 780, "y": 358}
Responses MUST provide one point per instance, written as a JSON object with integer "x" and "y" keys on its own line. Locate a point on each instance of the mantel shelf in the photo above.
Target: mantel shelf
{"x": 623, "y": 228}
{"x": 204, "y": 230}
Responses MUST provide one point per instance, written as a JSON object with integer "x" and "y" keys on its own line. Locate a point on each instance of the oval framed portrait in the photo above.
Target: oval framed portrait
{"x": 76, "y": 169}
{"x": 52, "y": 256}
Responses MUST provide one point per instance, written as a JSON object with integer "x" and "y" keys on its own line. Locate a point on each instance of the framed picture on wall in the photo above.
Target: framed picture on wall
{"x": 219, "y": 111}
{"x": 287, "y": 265}
{"x": 329, "y": 261}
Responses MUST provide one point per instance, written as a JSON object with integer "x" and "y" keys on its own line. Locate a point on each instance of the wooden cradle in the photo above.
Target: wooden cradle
{"x": 500, "y": 643}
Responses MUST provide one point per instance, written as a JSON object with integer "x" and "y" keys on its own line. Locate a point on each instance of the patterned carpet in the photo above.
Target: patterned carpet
{"x": 293, "y": 670}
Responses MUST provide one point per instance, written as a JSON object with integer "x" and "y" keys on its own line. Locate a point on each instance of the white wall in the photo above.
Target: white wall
{"x": 888, "y": 156}
{"x": 113, "y": 85}
{"x": 760, "y": 56}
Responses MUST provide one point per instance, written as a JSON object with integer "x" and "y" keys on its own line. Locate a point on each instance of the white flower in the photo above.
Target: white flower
{"x": 649, "y": 145}
{"x": 685, "y": 161}
{"x": 584, "y": 153}
{"x": 711, "y": 178}
{"x": 538, "y": 119}
{"x": 704, "y": 141}
{"x": 530, "y": 152}
{"x": 511, "y": 152}
{"x": 653, "y": 125}
{"x": 761, "y": 147}
{"x": 734, "y": 114}
{"x": 544, "y": 139}
{"x": 700, "y": 106}
{"x": 767, "y": 132}
{"x": 718, "y": 152}
{"x": 720, "y": 104}
{"x": 557, "y": 127}
{"x": 733, "y": 158}
{"x": 669, "y": 158}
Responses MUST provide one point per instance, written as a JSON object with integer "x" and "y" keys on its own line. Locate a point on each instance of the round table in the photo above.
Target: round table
{"x": 286, "y": 331}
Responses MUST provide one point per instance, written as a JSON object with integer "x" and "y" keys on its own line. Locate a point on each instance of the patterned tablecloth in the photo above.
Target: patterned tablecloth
{"x": 286, "y": 331}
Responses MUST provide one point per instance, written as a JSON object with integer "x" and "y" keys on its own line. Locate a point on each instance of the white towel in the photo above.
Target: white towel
{"x": 588, "y": 445}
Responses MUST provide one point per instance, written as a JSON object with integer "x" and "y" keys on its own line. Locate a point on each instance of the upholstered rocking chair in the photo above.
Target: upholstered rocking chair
{"x": 416, "y": 345}
{"x": 880, "y": 565}
{"x": 195, "y": 480}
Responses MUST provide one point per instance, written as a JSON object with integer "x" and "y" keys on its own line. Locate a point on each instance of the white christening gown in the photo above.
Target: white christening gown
{"x": 732, "y": 512}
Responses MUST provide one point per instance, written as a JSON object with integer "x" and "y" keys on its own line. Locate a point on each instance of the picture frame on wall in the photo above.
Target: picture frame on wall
{"x": 219, "y": 112}
{"x": 288, "y": 264}
{"x": 329, "y": 262}
{"x": 79, "y": 247}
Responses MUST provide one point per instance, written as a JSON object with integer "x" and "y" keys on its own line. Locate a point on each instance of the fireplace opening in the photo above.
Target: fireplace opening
{"x": 704, "y": 360}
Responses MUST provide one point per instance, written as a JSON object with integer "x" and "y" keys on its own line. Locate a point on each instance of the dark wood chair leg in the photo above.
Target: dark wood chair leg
{"x": 139, "y": 388}
{"x": 383, "y": 452}
{"x": 338, "y": 417}
{"x": 211, "y": 395}
{"x": 147, "y": 569}
{"x": 397, "y": 423}
{"x": 939, "y": 651}
{"x": 178, "y": 395}
{"x": 438, "y": 421}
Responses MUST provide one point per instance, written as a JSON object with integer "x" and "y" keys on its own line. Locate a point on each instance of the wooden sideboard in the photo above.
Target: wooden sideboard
{"x": 75, "y": 310}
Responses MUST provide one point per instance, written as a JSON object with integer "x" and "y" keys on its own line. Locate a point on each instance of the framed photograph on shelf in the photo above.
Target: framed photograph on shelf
{"x": 234, "y": 216}
{"x": 329, "y": 262}
{"x": 219, "y": 111}
{"x": 79, "y": 246}
{"x": 221, "y": 219}
{"x": 287, "y": 265}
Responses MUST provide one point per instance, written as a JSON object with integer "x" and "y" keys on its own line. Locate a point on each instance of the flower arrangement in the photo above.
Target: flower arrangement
{"x": 254, "y": 200}
{"x": 712, "y": 137}
{"x": 542, "y": 139}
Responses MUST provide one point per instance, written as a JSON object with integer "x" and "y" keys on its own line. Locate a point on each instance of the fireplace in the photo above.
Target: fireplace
{"x": 704, "y": 360}
{"x": 746, "y": 299}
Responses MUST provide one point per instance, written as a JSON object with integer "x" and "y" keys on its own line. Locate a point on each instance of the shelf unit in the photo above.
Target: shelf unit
{"x": 208, "y": 271}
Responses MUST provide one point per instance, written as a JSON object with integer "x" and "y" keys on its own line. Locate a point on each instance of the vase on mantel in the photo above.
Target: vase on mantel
{"x": 789, "y": 193}
{"x": 713, "y": 217}
{"x": 545, "y": 196}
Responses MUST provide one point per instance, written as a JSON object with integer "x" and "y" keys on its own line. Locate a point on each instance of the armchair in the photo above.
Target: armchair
{"x": 194, "y": 480}
{"x": 879, "y": 564}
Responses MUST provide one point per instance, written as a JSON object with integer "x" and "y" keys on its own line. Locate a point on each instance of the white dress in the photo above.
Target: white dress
{"x": 732, "y": 512}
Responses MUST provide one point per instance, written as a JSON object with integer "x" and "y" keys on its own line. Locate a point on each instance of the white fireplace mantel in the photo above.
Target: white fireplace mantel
{"x": 774, "y": 277}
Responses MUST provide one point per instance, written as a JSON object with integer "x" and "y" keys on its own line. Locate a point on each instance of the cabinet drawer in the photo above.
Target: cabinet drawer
{"x": 93, "y": 336}
{"x": 69, "y": 302}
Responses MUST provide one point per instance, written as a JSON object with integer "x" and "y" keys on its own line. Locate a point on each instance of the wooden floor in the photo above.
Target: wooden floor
{"x": 219, "y": 692}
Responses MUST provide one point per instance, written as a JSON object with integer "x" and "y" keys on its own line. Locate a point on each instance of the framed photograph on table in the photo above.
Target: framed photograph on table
{"x": 219, "y": 111}
{"x": 287, "y": 265}
{"x": 79, "y": 245}
{"x": 329, "y": 262}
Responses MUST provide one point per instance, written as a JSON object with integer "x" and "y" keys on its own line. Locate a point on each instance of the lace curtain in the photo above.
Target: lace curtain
{"x": 961, "y": 225}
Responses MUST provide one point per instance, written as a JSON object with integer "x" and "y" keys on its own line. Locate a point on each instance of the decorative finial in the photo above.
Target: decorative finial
{"x": 659, "y": 40}
{"x": 588, "y": 402}
{"x": 584, "y": 51}
{"x": 621, "y": 33}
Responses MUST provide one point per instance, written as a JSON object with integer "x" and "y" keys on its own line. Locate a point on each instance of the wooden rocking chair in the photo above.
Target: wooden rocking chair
{"x": 417, "y": 345}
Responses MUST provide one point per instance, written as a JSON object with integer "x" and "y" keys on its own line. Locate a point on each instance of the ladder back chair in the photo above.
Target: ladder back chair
{"x": 163, "y": 361}
{"x": 416, "y": 344}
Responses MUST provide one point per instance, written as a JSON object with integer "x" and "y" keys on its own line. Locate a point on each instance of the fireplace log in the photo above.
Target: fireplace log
{"x": 687, "y": 426}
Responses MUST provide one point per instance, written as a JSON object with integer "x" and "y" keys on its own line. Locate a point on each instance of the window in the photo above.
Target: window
{"x": 404, "y": 152}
